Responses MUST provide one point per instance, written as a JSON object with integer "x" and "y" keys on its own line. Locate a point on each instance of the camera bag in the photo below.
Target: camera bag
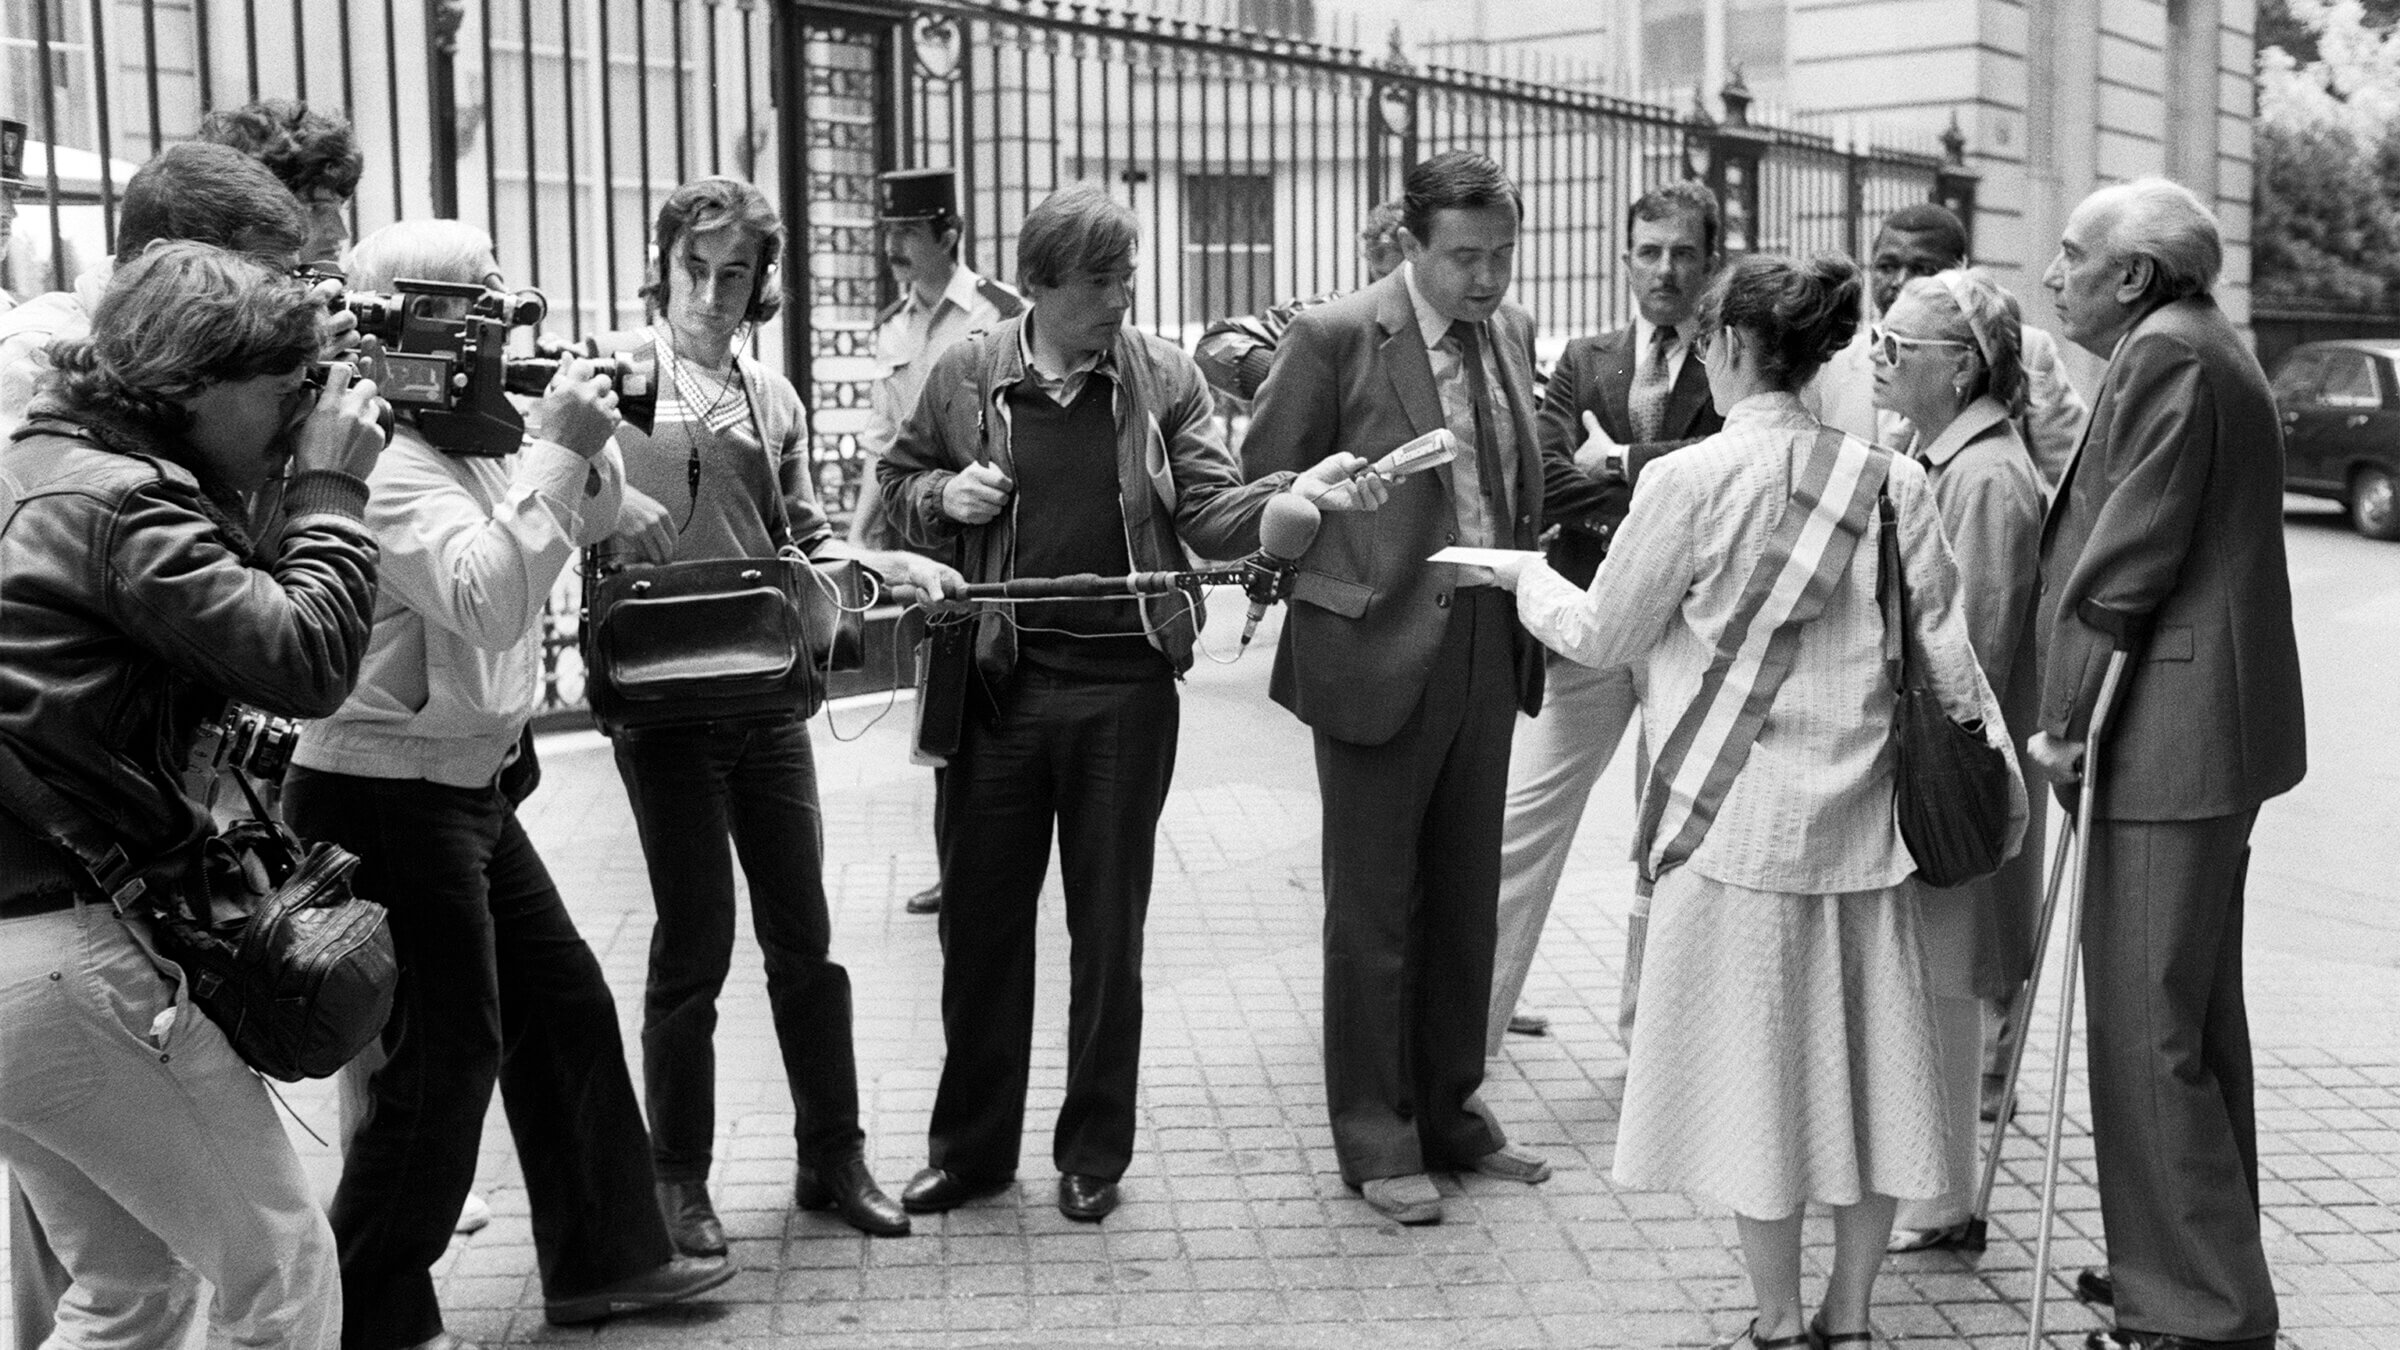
{"x": 297, "y": 971}
{"x": 718, "y": 640}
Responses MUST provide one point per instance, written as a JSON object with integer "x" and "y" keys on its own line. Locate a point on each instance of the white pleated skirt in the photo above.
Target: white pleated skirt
{"x": 1784, "y": 1050}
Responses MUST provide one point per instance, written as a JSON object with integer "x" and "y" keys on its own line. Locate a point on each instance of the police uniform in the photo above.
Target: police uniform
{"x": 910, "y": 335}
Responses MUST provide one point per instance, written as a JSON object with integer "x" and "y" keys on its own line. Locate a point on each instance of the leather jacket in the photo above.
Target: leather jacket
{"x": 132, "y": 608}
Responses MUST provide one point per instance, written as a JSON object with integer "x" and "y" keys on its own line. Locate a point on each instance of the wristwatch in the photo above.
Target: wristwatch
{"x": 1614, "y": 461}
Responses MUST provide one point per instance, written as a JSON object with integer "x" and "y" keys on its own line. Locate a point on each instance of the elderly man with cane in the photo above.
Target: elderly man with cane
{"x": 2165, "y": 542}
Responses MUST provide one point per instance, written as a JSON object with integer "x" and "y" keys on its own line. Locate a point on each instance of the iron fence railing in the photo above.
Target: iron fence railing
{"x": 1250, "y": 149}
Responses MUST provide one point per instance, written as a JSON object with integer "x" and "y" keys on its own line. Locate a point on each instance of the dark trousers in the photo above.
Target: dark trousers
{"x": 1412, "y": 884}
{"x": 495, "y": 984}
{"x": 1094, "y": 760}
{"x": 692, "y": 790}
{"x": 2174, "y": 1130}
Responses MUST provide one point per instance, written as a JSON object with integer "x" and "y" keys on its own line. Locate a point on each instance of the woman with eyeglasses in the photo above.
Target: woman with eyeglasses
{"x": 1947, "y": 359}
{"x": 1785, "y": 1053}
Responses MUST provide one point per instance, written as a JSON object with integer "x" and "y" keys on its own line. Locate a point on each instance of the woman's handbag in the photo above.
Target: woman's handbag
{"x": 295, "y": 970}
{"x": 720, "y": 640}
{"x": 1952, "y": 795}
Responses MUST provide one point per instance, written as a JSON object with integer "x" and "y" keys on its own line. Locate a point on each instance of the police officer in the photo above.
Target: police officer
{"x": 941, "y": 300}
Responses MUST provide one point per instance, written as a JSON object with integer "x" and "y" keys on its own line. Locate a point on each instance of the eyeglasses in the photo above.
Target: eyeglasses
{"x": 1887, "y": 344}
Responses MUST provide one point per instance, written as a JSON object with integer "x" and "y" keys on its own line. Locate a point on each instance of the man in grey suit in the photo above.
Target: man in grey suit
{"x": 2166, "y": 537}
{"x": 1410, "y": 672}
{"x": 1614, "y": 403}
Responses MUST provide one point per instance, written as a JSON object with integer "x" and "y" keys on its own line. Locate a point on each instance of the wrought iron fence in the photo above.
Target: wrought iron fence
{"x": 1250, "y": 149}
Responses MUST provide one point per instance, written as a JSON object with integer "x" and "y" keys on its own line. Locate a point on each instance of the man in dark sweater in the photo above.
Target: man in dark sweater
{"x": 1057, "y": 443}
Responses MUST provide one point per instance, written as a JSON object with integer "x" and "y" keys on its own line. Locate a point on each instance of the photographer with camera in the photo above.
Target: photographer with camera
{"x": 727, "y": 455}
{"x": 312, "y": 151}
{"x": 208, "y": 194}
{"x": 138, "y": 605}
{"x": 418, "y": 774}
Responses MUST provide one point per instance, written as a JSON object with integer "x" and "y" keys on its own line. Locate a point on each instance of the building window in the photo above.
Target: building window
{"x": 1229, "y": 245}
{"x": 68, "y": 78}
{"x": 1284, "y": 18}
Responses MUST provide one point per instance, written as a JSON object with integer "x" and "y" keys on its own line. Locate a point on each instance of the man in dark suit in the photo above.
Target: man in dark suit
{"x": 2166, "y": 537}
{"x": 1410, "y": 672}
{"x": 1615, "y": 402}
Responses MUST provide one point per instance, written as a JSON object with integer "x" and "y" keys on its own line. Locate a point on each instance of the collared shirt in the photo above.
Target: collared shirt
{"x": 909, "y": 339}
{"x": 1476, "y": 527}
{"x": 1063, "y": 386}
{"x": 1644, "y": 333}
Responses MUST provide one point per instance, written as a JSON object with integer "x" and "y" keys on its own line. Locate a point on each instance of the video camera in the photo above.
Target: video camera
{"x": 445, "y": 360}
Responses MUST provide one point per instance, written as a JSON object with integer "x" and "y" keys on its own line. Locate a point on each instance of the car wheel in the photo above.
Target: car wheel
{"x": 2375, "y": 503}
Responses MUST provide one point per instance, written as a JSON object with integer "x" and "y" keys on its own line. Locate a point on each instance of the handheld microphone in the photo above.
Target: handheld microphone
{"x": 1284, "y": 533}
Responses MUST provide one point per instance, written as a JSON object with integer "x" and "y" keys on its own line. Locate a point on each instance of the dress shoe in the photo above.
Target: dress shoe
{"x": 934, "y": 1191}
{"x": 474, "y": 1216}
{"x": 445, "y": 1340}
{"x": 2121, "y": 1339}
{"x": 1989, "y": 1105}
{"x": 1522, "y": 1023}
{"x": 2093, "y": 1284}
{"x": 1086, "y": 1199}
{"x": 1409, "y": 1199}
{"x": 927, "y": 901}
{"x": 849, "y": 1188}
{"x": 677, "y": 1280}
{"x": 1511, "y": 1164}
{"x": 691, "y": 1221}
{"x": 1963, "y": 1236}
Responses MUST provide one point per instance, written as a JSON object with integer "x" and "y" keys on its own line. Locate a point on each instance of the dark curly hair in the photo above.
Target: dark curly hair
{"x": 178, "y": 318}
{"x": 704, "y": 206}
{"x": 305, "y": 148}
{"x": 1797, "y": 313}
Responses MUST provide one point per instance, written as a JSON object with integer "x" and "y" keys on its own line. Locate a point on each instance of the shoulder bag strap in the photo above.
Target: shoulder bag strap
{"x": 61, "y": 822}
{"x": 1805, "y": 560}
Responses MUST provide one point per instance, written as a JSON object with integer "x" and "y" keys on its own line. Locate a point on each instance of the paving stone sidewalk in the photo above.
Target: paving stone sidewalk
{"x": 1236, "y": 1229}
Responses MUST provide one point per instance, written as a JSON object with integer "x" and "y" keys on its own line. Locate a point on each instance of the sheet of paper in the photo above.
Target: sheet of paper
{"x": 1480, "y": 557}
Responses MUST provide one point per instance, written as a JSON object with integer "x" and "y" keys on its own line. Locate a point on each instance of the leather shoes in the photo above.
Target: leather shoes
{"x": 1522, "y": 1023}
{"x": 2093, "y": 1284}
{"x": 1086, "y": 1199}
{"x": 677, "y": 1280}
{"x": 2120, "y": 1339}
{"x": 691, "y": 1221}
{"x": 444, "y": 1340}
{"x": 1963, "y": 1236}
{"x": 927, "y": 901}
{"x": 1511, "y": 1164}
{"x": 1410, "y": 1199}
{"x": 849, "y": 1188}
{"x": 934, "y": 1191}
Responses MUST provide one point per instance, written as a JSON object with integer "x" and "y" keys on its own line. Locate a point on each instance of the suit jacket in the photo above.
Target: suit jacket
{"x": 2172, "y": 512}
{"x": 1367, "y": 611}
{"x": 1595, "y": 375}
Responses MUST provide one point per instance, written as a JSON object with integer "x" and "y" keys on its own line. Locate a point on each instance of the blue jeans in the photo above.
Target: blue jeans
{"x": 495, "y": 986}
{"x": 693, "y": 790}
{"x": 148, "y": 1150}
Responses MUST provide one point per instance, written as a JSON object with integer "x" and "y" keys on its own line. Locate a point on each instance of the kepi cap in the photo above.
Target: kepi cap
{"x": 12, "y": 153}
{"x": 917, "y": 194}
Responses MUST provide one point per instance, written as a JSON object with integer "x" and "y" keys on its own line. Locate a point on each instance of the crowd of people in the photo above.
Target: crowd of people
{"x": 1676, "y": 530}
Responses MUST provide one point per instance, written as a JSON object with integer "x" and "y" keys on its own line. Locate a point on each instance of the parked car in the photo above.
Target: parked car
{"x": 2340, "y": 403}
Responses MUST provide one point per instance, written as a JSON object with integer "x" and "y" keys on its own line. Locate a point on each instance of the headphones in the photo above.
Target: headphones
{"x": 766, "y": 291}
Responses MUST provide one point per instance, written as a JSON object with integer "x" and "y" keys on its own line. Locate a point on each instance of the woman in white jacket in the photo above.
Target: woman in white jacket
{"x": 1785, "y": 1053}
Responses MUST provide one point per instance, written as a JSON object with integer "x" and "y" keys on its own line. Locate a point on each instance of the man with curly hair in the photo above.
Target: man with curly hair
{"x": 311, "y": 151}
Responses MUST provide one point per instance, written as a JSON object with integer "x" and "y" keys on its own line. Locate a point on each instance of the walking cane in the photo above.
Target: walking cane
{"x": 2020, "y": 1017}
{"x": 2119, "y": 655}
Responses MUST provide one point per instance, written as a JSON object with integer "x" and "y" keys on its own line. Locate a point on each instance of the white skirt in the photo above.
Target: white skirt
{"x": 1784, "y": 1050}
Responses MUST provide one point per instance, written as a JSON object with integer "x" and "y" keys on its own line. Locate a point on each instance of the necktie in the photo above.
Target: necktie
{"x": 1488, "y": 467}
{"x": 1647, "y": 399}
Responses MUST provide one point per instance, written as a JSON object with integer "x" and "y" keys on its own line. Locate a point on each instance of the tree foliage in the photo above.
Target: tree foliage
{"x": 2327, "y": 230}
